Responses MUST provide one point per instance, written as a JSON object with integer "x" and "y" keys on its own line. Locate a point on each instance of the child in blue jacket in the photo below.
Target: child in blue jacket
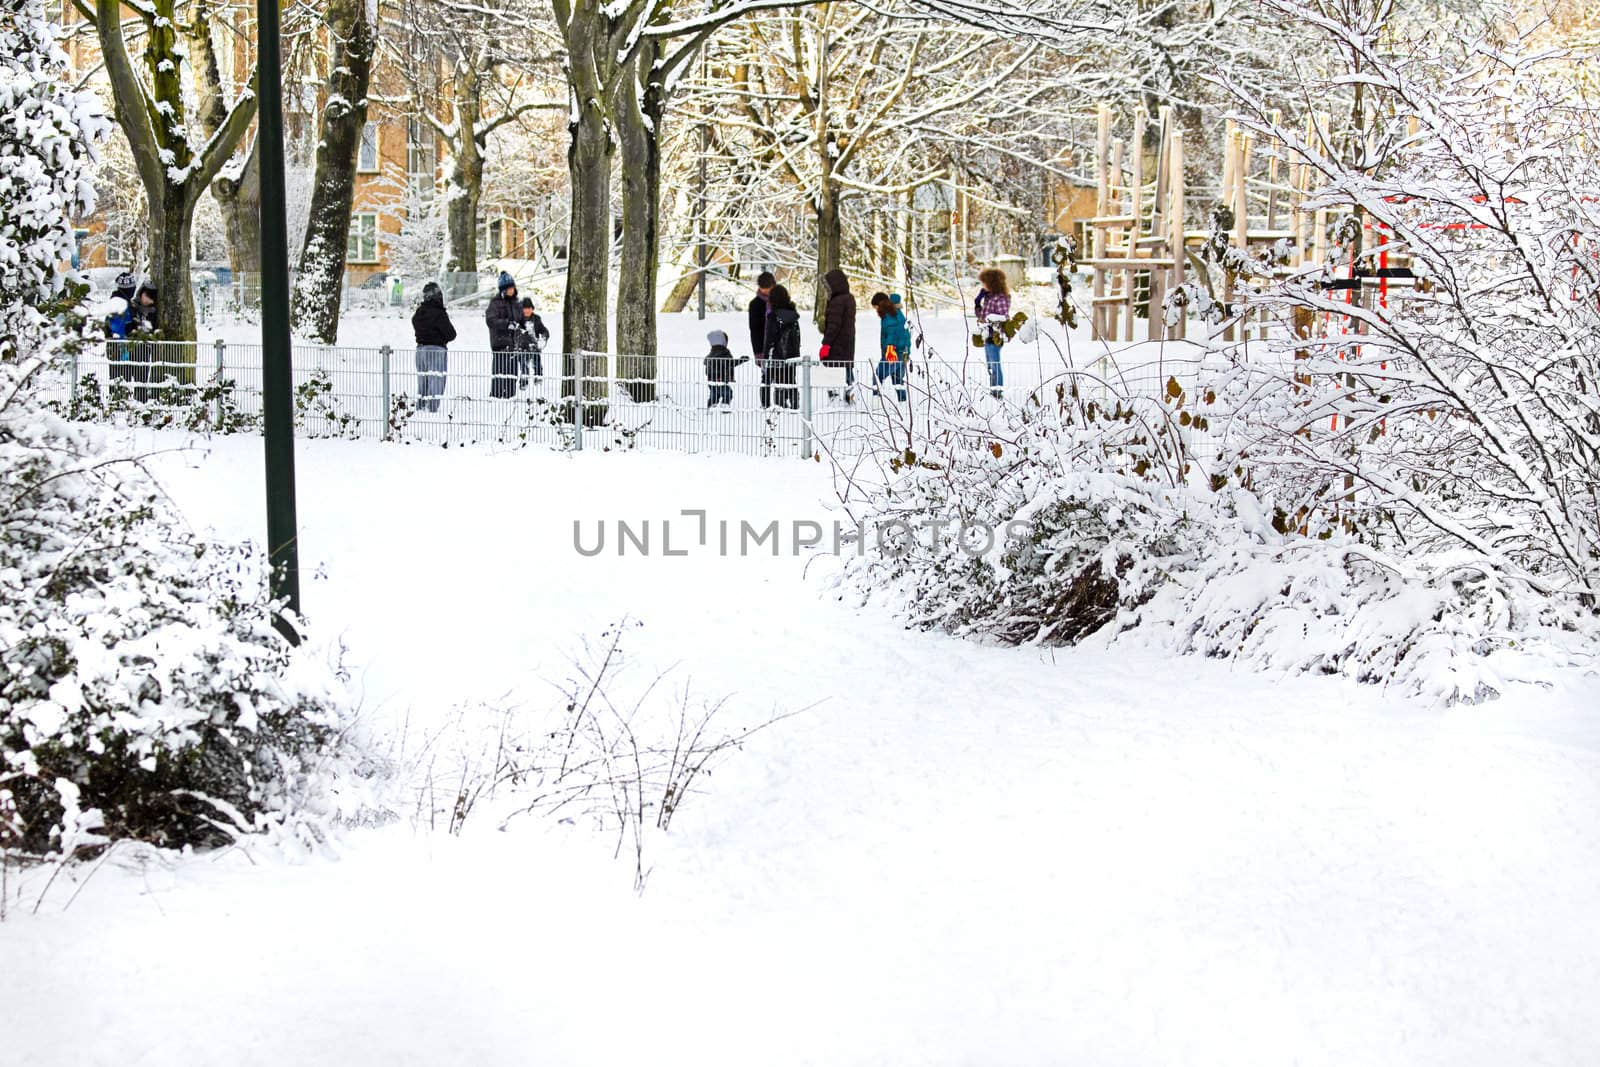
{"x": 894, "y": 341}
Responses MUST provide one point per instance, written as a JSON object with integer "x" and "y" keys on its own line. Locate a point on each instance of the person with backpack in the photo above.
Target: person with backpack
{"x": 783, "y": 348}
{"x": 992, "y": 307}
{"x": 894, "y": 341}
{"x": 839, "y": 329}
{"x": 505, "y": 321}
{"x": 719, "y": 370}
{"x": 434, "y": 331}
{"x": 530, "y": 345}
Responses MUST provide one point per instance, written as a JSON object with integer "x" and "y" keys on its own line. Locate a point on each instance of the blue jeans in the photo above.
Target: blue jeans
{"x": 895, "y": 372}
{"x": 430, "y": 376}
{"x": 721, "y": 393}
{"x": 991, "y": 353}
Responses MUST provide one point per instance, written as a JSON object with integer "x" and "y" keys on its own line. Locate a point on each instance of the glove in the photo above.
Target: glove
{"x": 823, "y": 355}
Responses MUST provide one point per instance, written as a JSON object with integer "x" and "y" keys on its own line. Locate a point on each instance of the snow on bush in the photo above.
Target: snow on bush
{"x": 143, "y": 690}
{"x": 1067, "y": 522}
{"x": 1404, "y": 491}
{"x": 46, "y": 130}
{"x": 1460, "y": 416}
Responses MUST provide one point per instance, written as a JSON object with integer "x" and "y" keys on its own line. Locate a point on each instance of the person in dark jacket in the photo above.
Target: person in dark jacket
{"x": 783, "y": 348}
{"x": 839, "y": 328}
{"x": 760, "y": 319}
{"x": 894, "y": 342}
{"x": 530, "y": 344}
{"x": 434, "y": 330}
{"x": 719, "y": 369}
{"x": 761, "y": 311}
{"x": 504, "y": 316}
{"x": 135, "y": 324}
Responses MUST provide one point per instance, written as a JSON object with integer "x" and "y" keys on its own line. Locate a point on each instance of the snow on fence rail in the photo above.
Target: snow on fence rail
{"x": 630, "y": 402}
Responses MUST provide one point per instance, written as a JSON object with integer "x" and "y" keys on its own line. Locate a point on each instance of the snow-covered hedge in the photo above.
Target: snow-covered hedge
{"x": 143, "y": 690}
{"x": 1087, "y": 551}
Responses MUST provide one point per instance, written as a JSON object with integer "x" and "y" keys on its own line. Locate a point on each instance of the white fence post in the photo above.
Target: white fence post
{"x": 387, "y": 353}
{"x": 220, "y": 346}
{"x": 577, "y": 399}
{"x": 805, "y": 408}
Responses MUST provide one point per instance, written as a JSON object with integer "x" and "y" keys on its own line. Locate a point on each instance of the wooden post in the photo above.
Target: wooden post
{"x": 1175, "y": 209}
{"x": 1160, "y": 213}
{"x": 1102, "y": 207}
{"x": 1136, "y": 210}
{"x": 1118, "y": 207}
{"x": 1241, "y": 211}
{"x": 1274, "y": 149}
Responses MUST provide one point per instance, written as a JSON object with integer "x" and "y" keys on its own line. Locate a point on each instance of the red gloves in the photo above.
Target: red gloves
{"x": 823, "y": 355}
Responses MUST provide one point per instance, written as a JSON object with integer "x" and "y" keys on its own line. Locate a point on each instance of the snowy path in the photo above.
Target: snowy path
{"x": 958, "y": 855}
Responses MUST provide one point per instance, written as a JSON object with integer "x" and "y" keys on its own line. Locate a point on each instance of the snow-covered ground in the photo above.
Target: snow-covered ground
{"x": 952, "y": 854}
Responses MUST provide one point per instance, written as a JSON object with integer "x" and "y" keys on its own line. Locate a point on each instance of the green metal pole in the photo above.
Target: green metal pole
{"x": 277, "y": 374}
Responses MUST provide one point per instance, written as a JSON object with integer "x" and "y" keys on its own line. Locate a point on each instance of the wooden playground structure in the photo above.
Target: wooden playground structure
{"x": 1139, "y": 246}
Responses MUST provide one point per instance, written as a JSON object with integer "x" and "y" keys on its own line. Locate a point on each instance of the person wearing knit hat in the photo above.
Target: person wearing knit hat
{"x": 894, "y": 341}
{"x": 719, "y": 370}
{"x": 504, "y": 317}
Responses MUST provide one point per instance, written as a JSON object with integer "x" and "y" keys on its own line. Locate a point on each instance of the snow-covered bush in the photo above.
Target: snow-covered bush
{"x": 1402, "y": 490}
{"x": 143, "y": 690}
{"x": 46, "y": 133}
{"x": 1461, "y": 415}
{"x": 1033, "y": 524}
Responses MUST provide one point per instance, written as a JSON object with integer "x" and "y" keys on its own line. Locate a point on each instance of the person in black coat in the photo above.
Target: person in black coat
{"x": 719, "y": 369}
{"x": 839, "y": 329}
{"x": 504, "y": 317}
{"x": 434, "y": 331}
{"x": 783, "y": 348}
{"x": 760, "y": 318}
{"x": 530, "y": 345}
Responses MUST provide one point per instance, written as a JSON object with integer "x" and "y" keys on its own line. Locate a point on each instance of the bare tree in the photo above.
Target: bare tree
{"x": 175, "y": 167}
{"x": 494, "y": 67}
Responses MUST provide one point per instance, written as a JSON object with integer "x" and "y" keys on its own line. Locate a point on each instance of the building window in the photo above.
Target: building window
{"x": 421, "y": 158}
{"x": 367, "y": 157}
{"x": 363, "y": 243}
{"x": 492, "y": 238}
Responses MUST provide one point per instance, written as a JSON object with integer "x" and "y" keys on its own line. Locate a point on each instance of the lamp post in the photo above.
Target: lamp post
{"x": 277, "y": 375}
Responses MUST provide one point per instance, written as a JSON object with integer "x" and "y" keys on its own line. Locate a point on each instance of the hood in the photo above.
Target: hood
{"x": 785, "y": 315}
{"x": 717, "y": 337}
{"x": 894, "y": 298}
{"x": 148, "y": 288}
{"x": 836, "y": 281}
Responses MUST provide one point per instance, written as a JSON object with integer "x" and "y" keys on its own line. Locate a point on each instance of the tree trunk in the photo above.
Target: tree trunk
{"x": 321, "y": 276}
{"x": 830, "y": 240}
{"x": 589, "y": 232}
{"x": 172, "y": 226}
{"x": 583, "y": 328}
{"x": 640, "y": 114}
{"x": 466, "y": 177}
{"x": 151, "y": 109}
{"x": 240, "y": 200}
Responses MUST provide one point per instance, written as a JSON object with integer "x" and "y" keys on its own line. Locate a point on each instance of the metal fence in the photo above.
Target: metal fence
{"x": 664, "y": 402}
